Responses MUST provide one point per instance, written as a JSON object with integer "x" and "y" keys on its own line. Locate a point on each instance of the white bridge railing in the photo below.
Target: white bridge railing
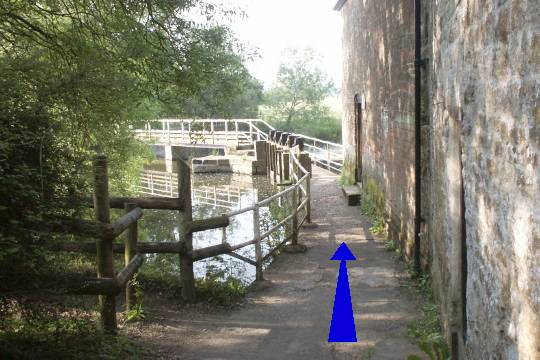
{"x": 165, "y": 184}
{"x": 233, "y": 132}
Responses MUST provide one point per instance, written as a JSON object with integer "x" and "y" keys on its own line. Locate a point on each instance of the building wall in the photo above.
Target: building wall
{"x": 485, "y": 74}
{"x": 378, "y": 47}
{"x": 481, "y": 143}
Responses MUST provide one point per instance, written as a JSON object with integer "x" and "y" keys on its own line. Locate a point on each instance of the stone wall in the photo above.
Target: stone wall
{"x": 485, "y": 77}
{"x": 378, "y": 44}
{"x": 480, "y": 171}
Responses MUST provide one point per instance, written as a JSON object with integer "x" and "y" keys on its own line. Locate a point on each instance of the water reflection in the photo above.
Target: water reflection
{"x": 212, "y": 195}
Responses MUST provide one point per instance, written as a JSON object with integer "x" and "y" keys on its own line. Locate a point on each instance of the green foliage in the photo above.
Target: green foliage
{"x": 76, "y": 75}
{"x": 218, "y": 287}
{"x": 427, "y": 330}
{"x": 30, "y": 331}
{"x": 434, "y": 346}
{"x": 325, "y": 126}
{"x": 391, "y": 245}
{"x": 348, "y": 173}
{"x": 237, "y": 96}
{"x": 295, "y": 102}
{"x": 136, "y": 312}
{"x": 373, "y": 206}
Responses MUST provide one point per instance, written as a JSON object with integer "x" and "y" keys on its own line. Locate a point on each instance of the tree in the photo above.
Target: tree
{"x": 215, "y": 100}
{"x": 299, "y": 91}
{"x": 76, "y": 74}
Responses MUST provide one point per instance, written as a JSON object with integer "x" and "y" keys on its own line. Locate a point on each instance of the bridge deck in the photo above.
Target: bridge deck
{"x": 288, "y": 317}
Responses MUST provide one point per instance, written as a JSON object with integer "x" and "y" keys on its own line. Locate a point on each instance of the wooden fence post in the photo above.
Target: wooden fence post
{"x": 280, "y": 165}
{"x": 286, "y": 166}
{"x": 187, "y": 278}
{"x": 258, "y": 249}
{"x": 130, "y": 251}
{"x": 294, "y": 240}
{"x": 308, "y": 204}
{"x": 274, "y": 162}
{"x": 305, "y": 161}
{"x": 268, "y": 158}
{"x": 104, "y": 250}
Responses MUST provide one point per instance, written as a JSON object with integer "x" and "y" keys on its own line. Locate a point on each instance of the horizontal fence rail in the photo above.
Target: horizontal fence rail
{"x": 234, "y": 132}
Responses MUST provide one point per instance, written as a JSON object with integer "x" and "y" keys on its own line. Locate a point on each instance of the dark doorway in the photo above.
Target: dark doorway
{"x": 358, "y": 136}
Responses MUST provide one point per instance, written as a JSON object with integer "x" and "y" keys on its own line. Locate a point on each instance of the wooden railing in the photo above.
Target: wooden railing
{"x": 297, "y": 178}
{"x": 284, "y": 161}
{"x": 323, "y": 153}
{"x": 108, "y": 285}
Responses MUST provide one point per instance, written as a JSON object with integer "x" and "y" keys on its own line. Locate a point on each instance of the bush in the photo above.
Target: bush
{"x": 35, "y": 330}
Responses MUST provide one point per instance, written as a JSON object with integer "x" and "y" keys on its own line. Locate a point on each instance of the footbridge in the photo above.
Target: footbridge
{"x": 234, "y": 133}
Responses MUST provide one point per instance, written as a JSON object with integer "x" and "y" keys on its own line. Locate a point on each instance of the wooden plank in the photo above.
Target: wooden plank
{"x": 157, "y": 203}
{"x": 127, "y": 273}
{"x": 208, "y": 224}
{"x": 93, "y": 286}
{"x": 353, "y": 194}
{"x": 125, "y": 221}
{"x": 351, "y": 190}
{"x": 243, "y": 258}
{"x": 94, "y": 229}
{"x": 119, "y": 248}
{"x": 210, "y": 251}
{"x": 78, "y": 227}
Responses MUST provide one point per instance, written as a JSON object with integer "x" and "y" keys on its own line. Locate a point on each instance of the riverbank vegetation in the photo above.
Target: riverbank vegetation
{"x": 77, "y": 75}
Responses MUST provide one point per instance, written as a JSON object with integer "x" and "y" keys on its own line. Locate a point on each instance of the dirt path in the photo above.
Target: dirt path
{"x": 289, "y": 317}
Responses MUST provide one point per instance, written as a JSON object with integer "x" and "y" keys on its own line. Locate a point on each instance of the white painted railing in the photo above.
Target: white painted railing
{"x": 233, "y": 132}
{"x": 165, "y": 184}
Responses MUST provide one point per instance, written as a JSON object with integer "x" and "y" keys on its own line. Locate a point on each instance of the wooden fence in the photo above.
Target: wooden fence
{"x": 285, "y": 161}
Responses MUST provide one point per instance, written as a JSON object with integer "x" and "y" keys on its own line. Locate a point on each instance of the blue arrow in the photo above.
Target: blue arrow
{"x": 342, "y": 327}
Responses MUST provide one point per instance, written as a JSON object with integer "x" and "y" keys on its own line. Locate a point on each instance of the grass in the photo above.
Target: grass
{"x": 372, "y": 206}
{"x": 426, "y": 331}
{"x": 218, "y": 287}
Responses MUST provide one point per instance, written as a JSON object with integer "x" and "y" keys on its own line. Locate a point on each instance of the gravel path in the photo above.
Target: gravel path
{"x": 288, "y": 316}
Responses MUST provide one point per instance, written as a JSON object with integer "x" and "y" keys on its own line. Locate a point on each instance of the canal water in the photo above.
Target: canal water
{"x": 212, "y": 195}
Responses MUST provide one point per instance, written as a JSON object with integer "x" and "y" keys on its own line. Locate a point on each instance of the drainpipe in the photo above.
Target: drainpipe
{"x": 418, "y": 63}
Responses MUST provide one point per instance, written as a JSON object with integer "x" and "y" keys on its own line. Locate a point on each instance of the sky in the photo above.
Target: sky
{"x": 273, "y": 25}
